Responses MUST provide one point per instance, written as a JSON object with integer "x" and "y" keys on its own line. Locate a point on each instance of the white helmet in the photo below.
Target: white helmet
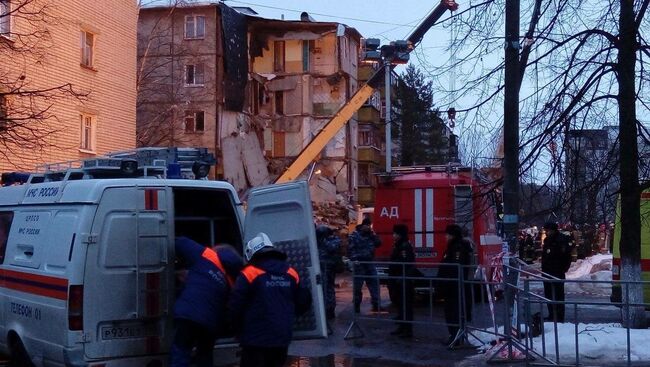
{"x": 257, "y": 243}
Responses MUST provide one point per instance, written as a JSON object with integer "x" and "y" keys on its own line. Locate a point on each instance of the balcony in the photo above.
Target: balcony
{"x": 364, "y": 73}
{"x": 368, "y": 114}
{"x": 366, "y": 195}
{"x": 369, "y": 154}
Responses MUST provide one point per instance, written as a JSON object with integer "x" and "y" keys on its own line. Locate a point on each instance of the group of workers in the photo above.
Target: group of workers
{"x": 402, "y": 273}
{"x": 257, "y": 302}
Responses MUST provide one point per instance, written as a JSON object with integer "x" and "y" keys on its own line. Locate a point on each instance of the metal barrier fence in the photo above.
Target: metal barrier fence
{"x": 468, "y": 287}
{"x": 505, "y": 316}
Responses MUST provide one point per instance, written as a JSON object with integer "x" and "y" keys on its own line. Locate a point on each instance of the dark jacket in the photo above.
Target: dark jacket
{"x": 329, "y": 250}
{"x": 459, "y": 252}
{"x": 402, "y": 253}
{"x": 205, "y": 295}
{"x": 556, "y": 255}
{"x": 265, "y": 300}
{"x": 362, "y": 244}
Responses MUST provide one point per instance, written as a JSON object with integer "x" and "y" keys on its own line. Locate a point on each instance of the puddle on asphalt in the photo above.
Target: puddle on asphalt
{"x": 343, "y": 361}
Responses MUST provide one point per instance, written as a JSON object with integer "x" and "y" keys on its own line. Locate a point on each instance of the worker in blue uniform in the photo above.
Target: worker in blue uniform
{"x": 361, "y": 250}
{"x": 200, "y": 310}
{"x": 329, "y": 245}
{"x": 264, "y": 303}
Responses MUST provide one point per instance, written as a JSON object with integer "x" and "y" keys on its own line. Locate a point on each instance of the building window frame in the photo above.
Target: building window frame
{"x": 194, "y": 27}
{"x": 88, "y": 133}
{"x": 5, "y": 18}
{"x": 88, "y": 43}
{"x": 194, "y": 122}
{"x": 194, "y": 75}
{"x": 279, "y": 56}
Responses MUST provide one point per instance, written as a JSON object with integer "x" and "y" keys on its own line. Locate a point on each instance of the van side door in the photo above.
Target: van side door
{"x": 284, "y": 212}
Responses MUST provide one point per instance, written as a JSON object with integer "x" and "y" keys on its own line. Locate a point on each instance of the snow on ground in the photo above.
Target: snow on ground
{"x": 596, "y": 343}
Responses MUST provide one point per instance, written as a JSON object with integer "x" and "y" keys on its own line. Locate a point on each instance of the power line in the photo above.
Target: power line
{"x": 322, "y": 15}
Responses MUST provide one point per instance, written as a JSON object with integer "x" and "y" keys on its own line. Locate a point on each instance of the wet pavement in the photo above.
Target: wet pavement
{"x": 343, "y": 361}
{"x": 377, "y": 347}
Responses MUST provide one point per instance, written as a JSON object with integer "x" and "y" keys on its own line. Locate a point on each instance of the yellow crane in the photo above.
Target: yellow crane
{"x": 343, "y": 115}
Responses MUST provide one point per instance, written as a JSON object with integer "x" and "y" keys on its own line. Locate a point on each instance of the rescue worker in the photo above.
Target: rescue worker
{"x": 361, "y": 248}
{"x": 199, "y": 311}
{"x": 556, "y": 260}
{"x": 457, "y": 256}
{"x": 329, "y": 246}
{"x": 265, "y": 300}
{"x": 402, "y": 289}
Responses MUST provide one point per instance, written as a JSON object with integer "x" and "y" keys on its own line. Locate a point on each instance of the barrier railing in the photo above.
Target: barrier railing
{"x": 508, "y": 313}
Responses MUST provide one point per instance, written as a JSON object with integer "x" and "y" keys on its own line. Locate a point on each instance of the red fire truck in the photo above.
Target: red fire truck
{"x": 427, "y": 199}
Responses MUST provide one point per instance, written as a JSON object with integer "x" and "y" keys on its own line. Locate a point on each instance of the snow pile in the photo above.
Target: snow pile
{"x": 582, "y": 268}
{"x": 596, "y": 342}
{"x": 595, "y": 268}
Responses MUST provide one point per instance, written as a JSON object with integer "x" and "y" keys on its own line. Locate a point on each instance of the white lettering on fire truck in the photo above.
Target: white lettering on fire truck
{"x": 393, "y": 213}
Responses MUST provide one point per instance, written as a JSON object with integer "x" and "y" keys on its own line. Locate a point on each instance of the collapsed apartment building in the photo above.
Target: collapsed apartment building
{"x": 265, "y": 88}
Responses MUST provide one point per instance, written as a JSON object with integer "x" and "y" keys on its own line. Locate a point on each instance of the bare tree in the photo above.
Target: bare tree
{"x": 584, "y": 65}
{"x": 26, "y": 117}
{"x": 162, "y": 96}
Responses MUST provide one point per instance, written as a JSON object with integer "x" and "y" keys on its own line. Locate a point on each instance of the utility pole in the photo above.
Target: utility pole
{"x": 511, "y": 125}
{"x": 387, "y": 116}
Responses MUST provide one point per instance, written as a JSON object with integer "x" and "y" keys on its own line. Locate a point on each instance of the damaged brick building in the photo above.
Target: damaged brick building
{"x": 269, "y": 86}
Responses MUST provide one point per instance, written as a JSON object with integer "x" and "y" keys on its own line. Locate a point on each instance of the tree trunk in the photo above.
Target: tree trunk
{"x": 630, "y": 242}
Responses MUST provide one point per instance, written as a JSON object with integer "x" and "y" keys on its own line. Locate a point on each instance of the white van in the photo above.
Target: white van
{"x": 87, "y": 266}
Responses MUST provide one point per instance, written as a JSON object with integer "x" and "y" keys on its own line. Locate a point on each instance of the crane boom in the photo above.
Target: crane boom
{"x": 344, "y": 114}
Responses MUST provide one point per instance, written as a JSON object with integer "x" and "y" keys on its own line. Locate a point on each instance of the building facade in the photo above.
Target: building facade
{"x": 180, "y": 76}
{"x": 67, "y": 80}
{"x": 592, "y": 172}
{"x": 301, "y": 73}
{"x": 372, "y": 138}
{"x": 253, "y": 90}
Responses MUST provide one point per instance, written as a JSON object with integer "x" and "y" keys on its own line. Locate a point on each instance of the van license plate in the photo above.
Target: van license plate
{"x": 127, "y": 332}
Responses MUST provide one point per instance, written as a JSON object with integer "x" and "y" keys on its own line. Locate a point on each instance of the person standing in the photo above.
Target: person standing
{"x": 457, "y": 257}
{"x": 329, "y": 246}
{"x": 199, "y": 311}
{"x": 402, "y": 289}
{"x": 264, "y": 303}
{"x": 361, "y": 248}
{"x": 556, "y": 260}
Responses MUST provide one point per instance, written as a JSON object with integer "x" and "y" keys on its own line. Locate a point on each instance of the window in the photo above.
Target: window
{"x": 194, "y": 121}
{"x": 194, "y": 74}
{"x": 279, "y": 103}
{"x": 5, "y": 17}
{"x": 87, "y": 48}
{"x": 5, "y": 225}
{"x": 366, "y": 138}
{"x": 365, "y": 176}
{"x": 278, "y": 56}
{"x": 87, "y": 133}
{"x": 194, "y": 27}
{"x": 307, "y": 51}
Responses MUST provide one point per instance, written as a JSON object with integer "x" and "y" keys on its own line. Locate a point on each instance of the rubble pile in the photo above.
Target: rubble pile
{"x": 333, "y": 214}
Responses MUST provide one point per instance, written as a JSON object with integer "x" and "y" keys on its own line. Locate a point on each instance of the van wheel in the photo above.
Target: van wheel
{"x": 19, "y": 356}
